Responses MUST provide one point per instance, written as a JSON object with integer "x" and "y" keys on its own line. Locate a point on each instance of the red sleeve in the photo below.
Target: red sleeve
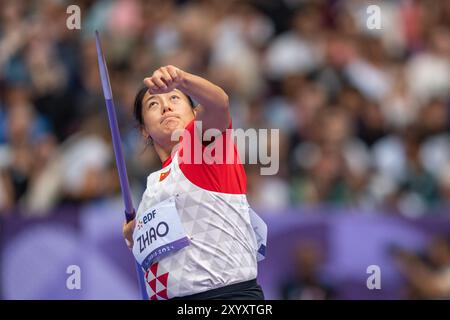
{"x": 214, "y": 166}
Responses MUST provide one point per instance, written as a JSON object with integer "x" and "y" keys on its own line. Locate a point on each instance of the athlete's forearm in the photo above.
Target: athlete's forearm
{"x": 207, "y": 94}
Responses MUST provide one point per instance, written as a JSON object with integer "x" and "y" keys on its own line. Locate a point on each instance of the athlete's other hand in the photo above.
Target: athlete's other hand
{"x": 128, "y": 229}
{"x": 164, "y": 80}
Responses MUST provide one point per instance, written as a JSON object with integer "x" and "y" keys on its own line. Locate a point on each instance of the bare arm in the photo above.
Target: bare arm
{"x": 213, "y": 109}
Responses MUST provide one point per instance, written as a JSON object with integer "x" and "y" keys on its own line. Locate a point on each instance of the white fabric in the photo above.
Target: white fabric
{"x": 223, "y": 244}
{"x": 260, "y": 229}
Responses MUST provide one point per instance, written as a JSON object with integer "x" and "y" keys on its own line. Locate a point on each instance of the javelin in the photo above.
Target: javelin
{"x": 120, "y": 162}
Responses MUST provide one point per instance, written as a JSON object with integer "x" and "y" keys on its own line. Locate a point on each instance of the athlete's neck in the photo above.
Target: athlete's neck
{"x": 164, "y": 152}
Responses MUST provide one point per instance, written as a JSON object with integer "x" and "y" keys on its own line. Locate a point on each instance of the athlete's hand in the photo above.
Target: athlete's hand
{"x": 128, "y": 229}
{"x": 164, "y": 80}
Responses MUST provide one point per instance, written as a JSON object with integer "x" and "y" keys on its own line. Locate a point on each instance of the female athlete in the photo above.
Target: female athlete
{"x": 193, "y": 232}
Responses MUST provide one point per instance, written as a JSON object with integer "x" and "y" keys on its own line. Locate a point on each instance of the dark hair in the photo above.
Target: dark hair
{"x": 138, "y": 104}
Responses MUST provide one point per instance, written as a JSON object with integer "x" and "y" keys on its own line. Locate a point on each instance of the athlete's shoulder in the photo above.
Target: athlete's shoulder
{"x": 214, "y": 165}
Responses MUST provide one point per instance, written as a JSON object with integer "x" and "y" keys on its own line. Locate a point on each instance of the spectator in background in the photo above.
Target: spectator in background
{"x": 300, "y": 49}
{"x": 43, "y": 188}
{"x": 428, "y": 277}
{"x": 6, "y": 194}
{"x": 307, "y": 282}
{"x": 444, "y": 186}
{"x": 399, "y": 107}
{"x": 429, "y": 70}
{"x": 21, "y": 131}
{"x": 333, "y": 162}
{"x": 86, "y": 160}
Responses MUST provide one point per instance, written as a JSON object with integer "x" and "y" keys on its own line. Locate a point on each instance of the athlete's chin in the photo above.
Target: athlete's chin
{"x": 172, "y": 124}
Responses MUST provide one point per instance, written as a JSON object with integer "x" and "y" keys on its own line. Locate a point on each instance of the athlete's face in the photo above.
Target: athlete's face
{"x": 164, "y": 113}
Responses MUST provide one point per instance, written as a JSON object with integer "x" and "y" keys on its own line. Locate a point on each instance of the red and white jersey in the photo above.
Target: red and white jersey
{"x": 212, "y": 205}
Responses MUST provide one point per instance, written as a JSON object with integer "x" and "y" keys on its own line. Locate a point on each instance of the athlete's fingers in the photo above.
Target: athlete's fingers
{"x": 166, "y": 76}
{"x": 159, "y": 83}
{"x": 152, "y": 87}
{"x": 178, "y": 74}
{"x": 150, "y": 84}
{"x": 157, "y": 80}
{"x": 128, "y": 229}
{"x": 129, "y": 244}
{"x": 173, "y": 72}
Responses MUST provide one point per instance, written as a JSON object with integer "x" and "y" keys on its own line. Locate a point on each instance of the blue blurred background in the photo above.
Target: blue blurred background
{"x": 364, "y": 118}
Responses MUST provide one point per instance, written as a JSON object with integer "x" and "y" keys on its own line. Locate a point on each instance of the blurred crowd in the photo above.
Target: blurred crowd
{"x": 424, "y": 274}
{"x": 363, "y": 113}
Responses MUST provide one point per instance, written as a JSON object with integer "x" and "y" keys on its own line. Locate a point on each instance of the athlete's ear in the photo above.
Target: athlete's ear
{"x": 144, "y": 132}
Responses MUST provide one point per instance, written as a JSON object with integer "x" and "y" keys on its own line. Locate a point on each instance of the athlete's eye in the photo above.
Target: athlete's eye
{"x": 152, "y": 104}
{"x": 175, "y": 97}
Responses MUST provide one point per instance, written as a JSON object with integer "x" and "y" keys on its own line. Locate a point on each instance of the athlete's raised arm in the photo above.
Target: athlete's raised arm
{"x": 213, "y": 108}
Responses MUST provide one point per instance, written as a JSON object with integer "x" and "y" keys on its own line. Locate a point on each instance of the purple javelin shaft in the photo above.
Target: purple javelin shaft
{"x": 124, "y": 184}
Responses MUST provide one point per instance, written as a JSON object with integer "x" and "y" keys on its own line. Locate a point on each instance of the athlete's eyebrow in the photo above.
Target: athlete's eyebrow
{"x": 149, "y": 98}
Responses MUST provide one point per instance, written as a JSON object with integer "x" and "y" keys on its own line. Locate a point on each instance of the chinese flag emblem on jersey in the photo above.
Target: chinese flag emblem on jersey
{"x": 164, "y": 175}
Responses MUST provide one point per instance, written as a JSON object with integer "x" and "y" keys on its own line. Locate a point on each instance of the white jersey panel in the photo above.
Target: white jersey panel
{"x": 223, "y": 244}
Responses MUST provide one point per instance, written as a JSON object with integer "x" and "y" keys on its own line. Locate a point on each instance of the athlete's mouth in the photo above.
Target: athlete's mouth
{"x": 165, "y": 117}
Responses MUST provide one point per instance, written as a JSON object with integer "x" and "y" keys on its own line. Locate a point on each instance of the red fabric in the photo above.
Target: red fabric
{"x": 163, "y": 294}
{"x": 152, "y": 283}
{"x": 154, "y": 268}
{"x": 167, "y": 162}
{"x": 217, "y": 177}
{"x": 163, "y": 279}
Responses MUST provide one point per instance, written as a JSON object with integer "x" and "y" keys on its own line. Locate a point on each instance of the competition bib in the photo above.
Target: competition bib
{"x": 158, "y": 233}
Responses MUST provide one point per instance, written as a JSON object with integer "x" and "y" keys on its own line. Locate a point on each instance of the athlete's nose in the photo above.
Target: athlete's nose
{"x": 166, "y": 107}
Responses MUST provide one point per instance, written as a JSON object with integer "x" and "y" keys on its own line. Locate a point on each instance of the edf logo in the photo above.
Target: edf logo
{"x": 149, "y": 216}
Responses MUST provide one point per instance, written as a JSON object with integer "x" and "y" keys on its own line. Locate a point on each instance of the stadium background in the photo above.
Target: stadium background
{"x": 364, "y": 144}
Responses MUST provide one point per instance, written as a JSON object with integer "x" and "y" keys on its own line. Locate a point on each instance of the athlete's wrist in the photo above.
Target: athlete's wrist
{"x": 184, "y": 80}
